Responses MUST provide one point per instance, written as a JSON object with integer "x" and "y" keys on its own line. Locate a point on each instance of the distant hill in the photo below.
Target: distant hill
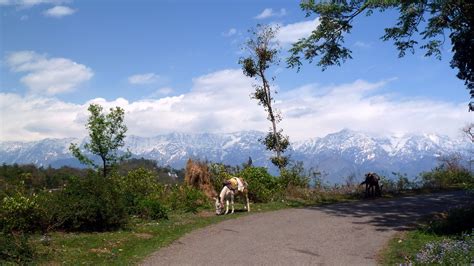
{"x": 338, "y": 155}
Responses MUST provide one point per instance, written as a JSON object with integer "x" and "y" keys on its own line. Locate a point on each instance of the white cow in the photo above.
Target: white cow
{"x": 233, "y": 186}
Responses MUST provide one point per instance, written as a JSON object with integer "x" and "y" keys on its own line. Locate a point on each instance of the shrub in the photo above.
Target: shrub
{"x": 20, "y": 213}
{"x": 262, "y": 186}
{"x": 151, "y": 208}
{"x": 186, "y": 198}
{"x": 135, "y": 187}
{"x": 457, "y": 221}
{"x": 294, "y": 176}
{"x": 91, "y": 204}
{"x": 14, "y": 247}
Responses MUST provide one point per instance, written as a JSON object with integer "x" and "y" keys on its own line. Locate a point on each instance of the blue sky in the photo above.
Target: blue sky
{"x": 174, "y": 64}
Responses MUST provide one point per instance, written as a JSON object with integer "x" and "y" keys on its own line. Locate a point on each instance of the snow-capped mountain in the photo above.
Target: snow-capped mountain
{"x": 338, "y": 155}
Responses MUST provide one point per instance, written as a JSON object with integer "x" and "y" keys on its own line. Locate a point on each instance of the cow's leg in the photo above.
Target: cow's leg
{"x": 232, "y": 202}
{"x": 226, "y": 207}
{"x": 248, "y": 202}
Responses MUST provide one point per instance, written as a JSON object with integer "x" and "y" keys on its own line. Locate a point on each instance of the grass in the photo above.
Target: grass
{"x": 141, "y": 238}
{"x": 449, "y": 226}
{"x": 130, "y": 246}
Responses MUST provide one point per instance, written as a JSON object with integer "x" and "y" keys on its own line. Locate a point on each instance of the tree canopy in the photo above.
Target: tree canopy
{"x": 106, "y": 134}
{"x": 421, "y": 24}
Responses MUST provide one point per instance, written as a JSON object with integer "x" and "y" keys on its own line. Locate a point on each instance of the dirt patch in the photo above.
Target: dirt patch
{"x": 143, "y": 235}
{"x": 100, "y": 250}
{"x": 206, "y": 214}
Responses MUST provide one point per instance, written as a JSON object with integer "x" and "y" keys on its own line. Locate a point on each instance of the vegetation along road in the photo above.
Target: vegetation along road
{"x": 346, "y": 234}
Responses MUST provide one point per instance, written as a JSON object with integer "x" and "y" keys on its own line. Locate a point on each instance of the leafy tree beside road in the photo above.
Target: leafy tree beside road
{"x": 107, "y": 134}
{"x": 263, "y": 54}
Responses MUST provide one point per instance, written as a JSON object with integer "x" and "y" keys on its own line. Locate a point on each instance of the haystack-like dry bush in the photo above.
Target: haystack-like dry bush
{"x": 198, "y": 176}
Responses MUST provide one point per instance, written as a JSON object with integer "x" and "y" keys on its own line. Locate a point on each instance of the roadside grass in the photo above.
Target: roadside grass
{"x": 132, "y": 245}
{"x": 143, "y": 237}
{"x": 441, "y": 230}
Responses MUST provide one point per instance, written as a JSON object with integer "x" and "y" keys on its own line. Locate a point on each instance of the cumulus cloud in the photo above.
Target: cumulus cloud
{"x": 219, "y": 102}
{"x": 48, "y": 75}
{"x": 268, "y": 13}
{"x": 59, "y": 11}
{"x": 142, "y": 79}
{"x": 291, "y": 33}
{"x": 161, "y": 92}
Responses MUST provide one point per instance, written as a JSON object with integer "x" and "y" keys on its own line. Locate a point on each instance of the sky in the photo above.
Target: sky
{"x": 173, "y": 66}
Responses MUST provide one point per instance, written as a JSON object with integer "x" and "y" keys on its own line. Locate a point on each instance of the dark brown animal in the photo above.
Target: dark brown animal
{"x": 372, "y": 186}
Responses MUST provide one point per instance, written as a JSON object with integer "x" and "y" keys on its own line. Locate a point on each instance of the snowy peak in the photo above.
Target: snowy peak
{"x": 338, "y": 154}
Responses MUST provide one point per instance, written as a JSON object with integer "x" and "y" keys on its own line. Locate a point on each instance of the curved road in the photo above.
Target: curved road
{"x": 339, "y": 234}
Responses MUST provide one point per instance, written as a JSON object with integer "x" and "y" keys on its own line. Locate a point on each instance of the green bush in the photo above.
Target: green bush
{"x": 151, "y": 208}
{"x": 186, "y": 198}
{"x": 20, "y": 213}
{"x": 457, "y": 221}
{"x": 262, "y": 186}
{"x": 294, "y": 176}
{"x": 14, "y": 248}
{"x": 135, "y": 187}
{"x": 91, "y": 204}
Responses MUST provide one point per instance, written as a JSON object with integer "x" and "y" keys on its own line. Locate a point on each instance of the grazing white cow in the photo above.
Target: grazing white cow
{"x": 233, "y": 186}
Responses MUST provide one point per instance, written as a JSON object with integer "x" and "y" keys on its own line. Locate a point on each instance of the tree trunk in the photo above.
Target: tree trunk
{"x": 266, "y": 87}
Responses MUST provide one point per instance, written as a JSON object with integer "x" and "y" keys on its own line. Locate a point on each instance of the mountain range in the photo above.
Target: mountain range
{"x": 337, "y": 155}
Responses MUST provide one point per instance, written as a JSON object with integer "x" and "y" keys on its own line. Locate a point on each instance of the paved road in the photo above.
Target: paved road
{"x": 339, "y": 234}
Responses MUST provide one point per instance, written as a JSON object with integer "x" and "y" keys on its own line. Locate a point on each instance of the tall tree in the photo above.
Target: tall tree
{"x": 107, "y": 134}
{"x": 263, "y": 53}
{"x": 427, "y": 21}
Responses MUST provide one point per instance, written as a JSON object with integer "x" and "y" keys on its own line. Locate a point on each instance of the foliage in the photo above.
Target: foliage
{"x": 220, "y": 173}
{"x": 448, "y": 173}
{"x": 135, "y": 186}
{"x": 326, "y": 42}
{"x": 31, "y": 178}
{"x": 186, "y": 198}
{"x": 91, "y": 204}
{"x": 294, "y": 176}
{"x": 262, "y": 186}
{"x": 165, "y": 175}
{"x": 456, "y": 221}
{"x": 263, "y": 55}
{"x": 20, "y": 213}
{"x": 15, "y": 248}
{"x": 107, "y": 134}
{"x": 151, "y": 208}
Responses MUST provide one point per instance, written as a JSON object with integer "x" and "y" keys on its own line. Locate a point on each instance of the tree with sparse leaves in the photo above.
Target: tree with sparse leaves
{"x": 107, "y": 134}
{"x": 421, "y": 23}
{"x": 263, "y": 53}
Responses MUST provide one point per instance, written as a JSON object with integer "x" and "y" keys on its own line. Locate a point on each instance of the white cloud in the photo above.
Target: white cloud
{"x": 230, "y": 32}
{"x": 142, "y": 79}
{"x": 219, "y": 102}
{"x": 291, "y": 33}
{"x": 59, "y": 11}
{"x": 48, "y": 75}
{"x": 268, "y": 13}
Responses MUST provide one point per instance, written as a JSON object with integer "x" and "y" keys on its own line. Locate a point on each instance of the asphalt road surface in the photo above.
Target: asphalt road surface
{"x": 338, "y": 234}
